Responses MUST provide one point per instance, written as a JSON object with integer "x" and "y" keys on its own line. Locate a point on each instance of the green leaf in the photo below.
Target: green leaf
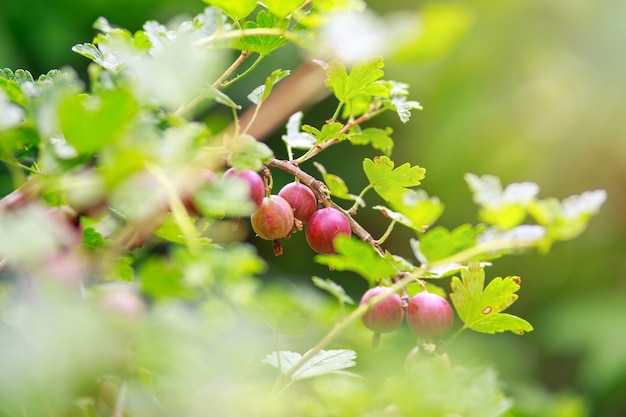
{"x": 220, "y": 97}
{"x": 92, "y": 239}
{"x": 282, "y": 8}
{"x": 335, "y": 289}
{"x": 388, "y": 182}
{"x": 13, "y": 91}
{"x": 378, "y": 138}
{"x": 226, "y": 197}
{"x": 329, "y": 131}
{"x": 120, "y": 270}
{"x": 91, "y": 122}
{"x": 481, "y": 309}
{"x": 414, "y": 209}
{"x": 234, "y": 9}
{"x": 568, "y": 218}
{"x": 337, "y": 186}
{"x": 245, "y": 152}
{"x": 362, "y": 80}
{"x": 439, "y": 243}
{"x": 505, "y": 208}
{"x": 264, "y": 44}
{"x": 322, "y": 363}
{"x": 398, "y": 102}
{"x": 171, "y": 232}
{"x": 163, "y": 278}
{"x": 262, "y": 92}
{"x": 360, "y": 257}
{"x": 443, "y": 26}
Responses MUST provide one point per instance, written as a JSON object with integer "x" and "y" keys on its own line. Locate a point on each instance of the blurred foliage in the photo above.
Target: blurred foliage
{"x": 534, "y": 92}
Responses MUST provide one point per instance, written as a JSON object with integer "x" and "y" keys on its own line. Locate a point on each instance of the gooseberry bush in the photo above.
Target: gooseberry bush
{"x": 131, "y": 284}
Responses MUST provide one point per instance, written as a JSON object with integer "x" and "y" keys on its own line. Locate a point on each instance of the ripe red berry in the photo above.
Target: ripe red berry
{"x": 429, "y": 315}
{"x": 323, "y": 226}
{"x": 301, "y": 198}
{"x": 255, "y": 182}
{"x": 385, "y": 316}
{"x": 273, "y": 219}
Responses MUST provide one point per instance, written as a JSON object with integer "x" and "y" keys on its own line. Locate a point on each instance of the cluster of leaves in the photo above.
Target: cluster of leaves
{"x": 126, "y": 287}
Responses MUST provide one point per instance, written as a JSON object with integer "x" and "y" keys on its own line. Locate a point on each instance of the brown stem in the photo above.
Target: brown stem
{"x": 240, "y": 59}
{"x": 329, "y": 143}
{"x": 321, "y": 192}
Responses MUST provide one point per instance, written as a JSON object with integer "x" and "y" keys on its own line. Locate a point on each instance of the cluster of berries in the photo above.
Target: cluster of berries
{"x": 295, "y": 205}
{"x": 428, "y": 315}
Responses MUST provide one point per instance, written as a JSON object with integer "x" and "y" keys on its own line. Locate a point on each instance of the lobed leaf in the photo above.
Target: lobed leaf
{"x": 323, "y": 362}
{"x": 480, "y": 308}
{"x": 363, "y": 79}
{"x": 505, "y": 208}
{"x": 388, "y": 182}
{"x": 264, "y": 44}
{"x": 378, "y": 138}
{"x": 568, "y": 218}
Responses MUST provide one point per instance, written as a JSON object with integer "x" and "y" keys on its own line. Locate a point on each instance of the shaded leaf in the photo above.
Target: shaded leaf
{"x": 323, "y": 362}
{"x": 335, "y": 289}
{"x": 264, "y": 44}
{"x": 262, "y": 92}
{"x": 360, "y": 257}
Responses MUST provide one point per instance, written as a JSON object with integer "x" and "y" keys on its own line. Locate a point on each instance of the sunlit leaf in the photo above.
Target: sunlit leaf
{"x": 388, "y": 182}
{"x": 234, "y": 9}
{"x": 363, "y": 79}
{"x": 443, "y": 25}
{"x": 505, "y": 208}
{"x": 440, "y": 243}
{"x": 329, "y": 131}
{"x": 481, "y": 308}
{"x": 568, "y": 218}
{"x": 379, "y": 139}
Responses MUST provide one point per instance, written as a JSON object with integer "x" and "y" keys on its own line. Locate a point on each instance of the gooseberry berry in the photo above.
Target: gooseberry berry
{"x": 301, "y": 199}
{"x": 273, "y": 219}
{"x": 429, "y": 315}
{"x": 323, "y": 227}
{"x": 385, "y": 316}
{"x": 255, "y": 182}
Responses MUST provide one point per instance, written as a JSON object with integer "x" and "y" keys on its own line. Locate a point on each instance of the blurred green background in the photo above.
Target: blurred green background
{"x": 535, "y": 91}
